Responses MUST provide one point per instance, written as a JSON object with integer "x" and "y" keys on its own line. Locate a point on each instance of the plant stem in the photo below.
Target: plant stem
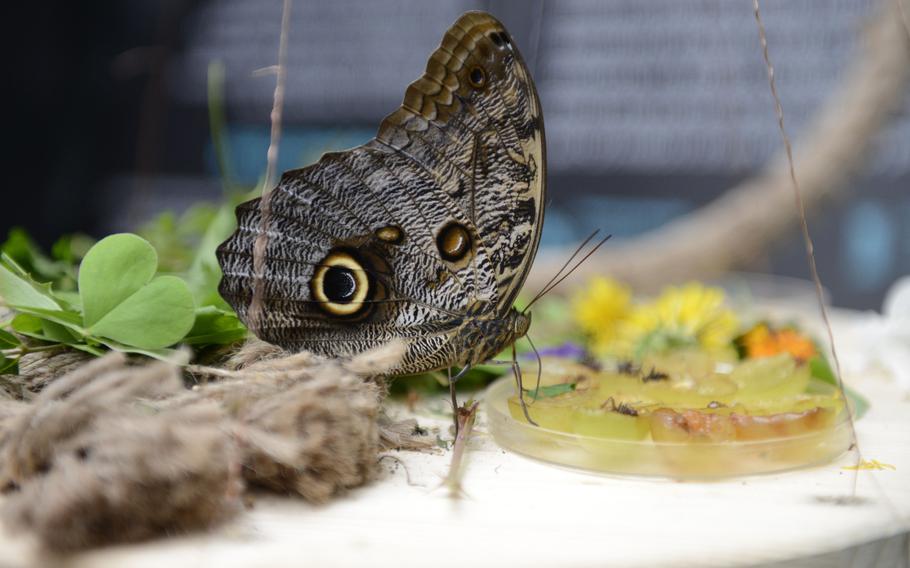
{"x": 25, "y": 350}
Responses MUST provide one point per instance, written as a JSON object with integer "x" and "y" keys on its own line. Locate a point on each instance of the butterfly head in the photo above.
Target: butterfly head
{"x": 521, "y": 323}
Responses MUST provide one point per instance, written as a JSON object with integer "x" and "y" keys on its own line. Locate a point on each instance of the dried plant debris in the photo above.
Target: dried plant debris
{"x": 45, "y": 366}
{"x": 91, "y": 461}
{"x": 113, "y": 452}
{"x": 37, "y": 369}
{"x": 252, "y": 351}
{"x": 403, "y": 435}
{"x": 311, "y": 438}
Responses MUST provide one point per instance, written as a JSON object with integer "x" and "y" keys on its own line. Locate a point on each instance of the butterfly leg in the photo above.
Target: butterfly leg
{"x": 452, "y": 380}
{"x": 516, "y": 370}
{"x": 454, "y": 400}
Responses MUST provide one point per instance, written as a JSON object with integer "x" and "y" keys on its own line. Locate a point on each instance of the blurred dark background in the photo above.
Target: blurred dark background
{"x": 652, "y": 109}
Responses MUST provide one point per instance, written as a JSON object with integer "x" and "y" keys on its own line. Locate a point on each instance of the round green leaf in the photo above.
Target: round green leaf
{"x": 111, "y": 272}
{"x": 155, "y": 316}
{"x": 214, "y": 326}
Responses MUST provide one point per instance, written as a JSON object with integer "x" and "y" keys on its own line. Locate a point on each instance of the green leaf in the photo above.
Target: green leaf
{"x": 9, "y": 366}
{"x": 175, "y": 356}
{"x": 38, "y": 328}
{"x": 26, "y": 324}
{"x": 112, "y": 271}
{"x": 91, "y": 349}
{"x": 121, "y": 301}
{"x": 167, "y": 235}
{"x": 21, "y": 248}
{"x": 69, "y": 300}
{"x": 215, "y": 326}
{"x": 38, "y": 325}
{"x": 71, "y": 249}
{"x": 205, "y": 271}
{"x": 858, "y": 401}
{"x": 57, "y": 333}
{"x": 8, "y": 340}
{"x": 432, "y": 382}
{"x": 551, "y": 390}
{"x": 218, "y": 122}
{"x": 820, "y": 369}
{"x": 65, "y": 318}
{"x": 155, "y": 316}
{"x": 492, "y": 369}
{"x": 20, "y": 291}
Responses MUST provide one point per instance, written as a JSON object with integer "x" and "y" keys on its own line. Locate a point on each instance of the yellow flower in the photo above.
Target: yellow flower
{"x": 689, "y": 315}
{"x": 600, "y": 307}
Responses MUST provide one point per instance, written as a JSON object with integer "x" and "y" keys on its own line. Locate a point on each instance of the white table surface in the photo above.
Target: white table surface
{"x": 517, "y": 511}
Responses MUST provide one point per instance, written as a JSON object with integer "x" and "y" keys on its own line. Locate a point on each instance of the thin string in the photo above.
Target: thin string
{"x": 278, "y": 100}
{"x": 260, "y": 245}
{"x": 810, "y": 252}
{"x": 797, "y": 192}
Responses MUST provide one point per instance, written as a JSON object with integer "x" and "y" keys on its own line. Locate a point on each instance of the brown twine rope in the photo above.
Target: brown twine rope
{"x": 113, "y": 451}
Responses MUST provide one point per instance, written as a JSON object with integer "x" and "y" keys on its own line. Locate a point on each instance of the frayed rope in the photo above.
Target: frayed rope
{"x": 113, "y": 452}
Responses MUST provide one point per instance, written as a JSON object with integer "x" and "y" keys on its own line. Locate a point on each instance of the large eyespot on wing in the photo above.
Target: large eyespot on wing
{"x": 474, "y": 120}
{"x": 343, "y": 285}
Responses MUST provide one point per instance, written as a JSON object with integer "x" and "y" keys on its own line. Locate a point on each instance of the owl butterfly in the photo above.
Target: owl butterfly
{"x": 425, "y": 233}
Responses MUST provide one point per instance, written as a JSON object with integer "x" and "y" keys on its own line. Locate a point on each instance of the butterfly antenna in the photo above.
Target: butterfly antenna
{"x": 547, "y": 289}
{"x": 563, "y": 267}
{"x": 578, "y": 264}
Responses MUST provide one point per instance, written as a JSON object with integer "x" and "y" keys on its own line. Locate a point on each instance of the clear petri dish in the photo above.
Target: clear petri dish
{"x": 646, "y": 457}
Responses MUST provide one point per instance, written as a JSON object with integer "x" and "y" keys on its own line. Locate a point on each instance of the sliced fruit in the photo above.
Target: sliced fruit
{"x": 693, "y": 397}
{"x": 616, "y": 421}
{"x": 770, "y": 378}
{"x": 690, "y": 364}
{"x": 690, "y": 426}
{"x": 785, "y": 424}
{"x": 554, "y": 413}
{"x": 737, "y": 424}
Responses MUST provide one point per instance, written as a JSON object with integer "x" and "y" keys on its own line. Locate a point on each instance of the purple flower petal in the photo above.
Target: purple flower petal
{"x": 568, "y": 350}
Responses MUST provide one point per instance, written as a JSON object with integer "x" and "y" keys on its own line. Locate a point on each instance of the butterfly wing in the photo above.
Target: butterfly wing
{"x": 476, "y": 118}
{"x": 431, "y": 223}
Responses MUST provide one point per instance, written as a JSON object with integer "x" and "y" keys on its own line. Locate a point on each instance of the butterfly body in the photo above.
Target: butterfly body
{"x": 424, "y": 234}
